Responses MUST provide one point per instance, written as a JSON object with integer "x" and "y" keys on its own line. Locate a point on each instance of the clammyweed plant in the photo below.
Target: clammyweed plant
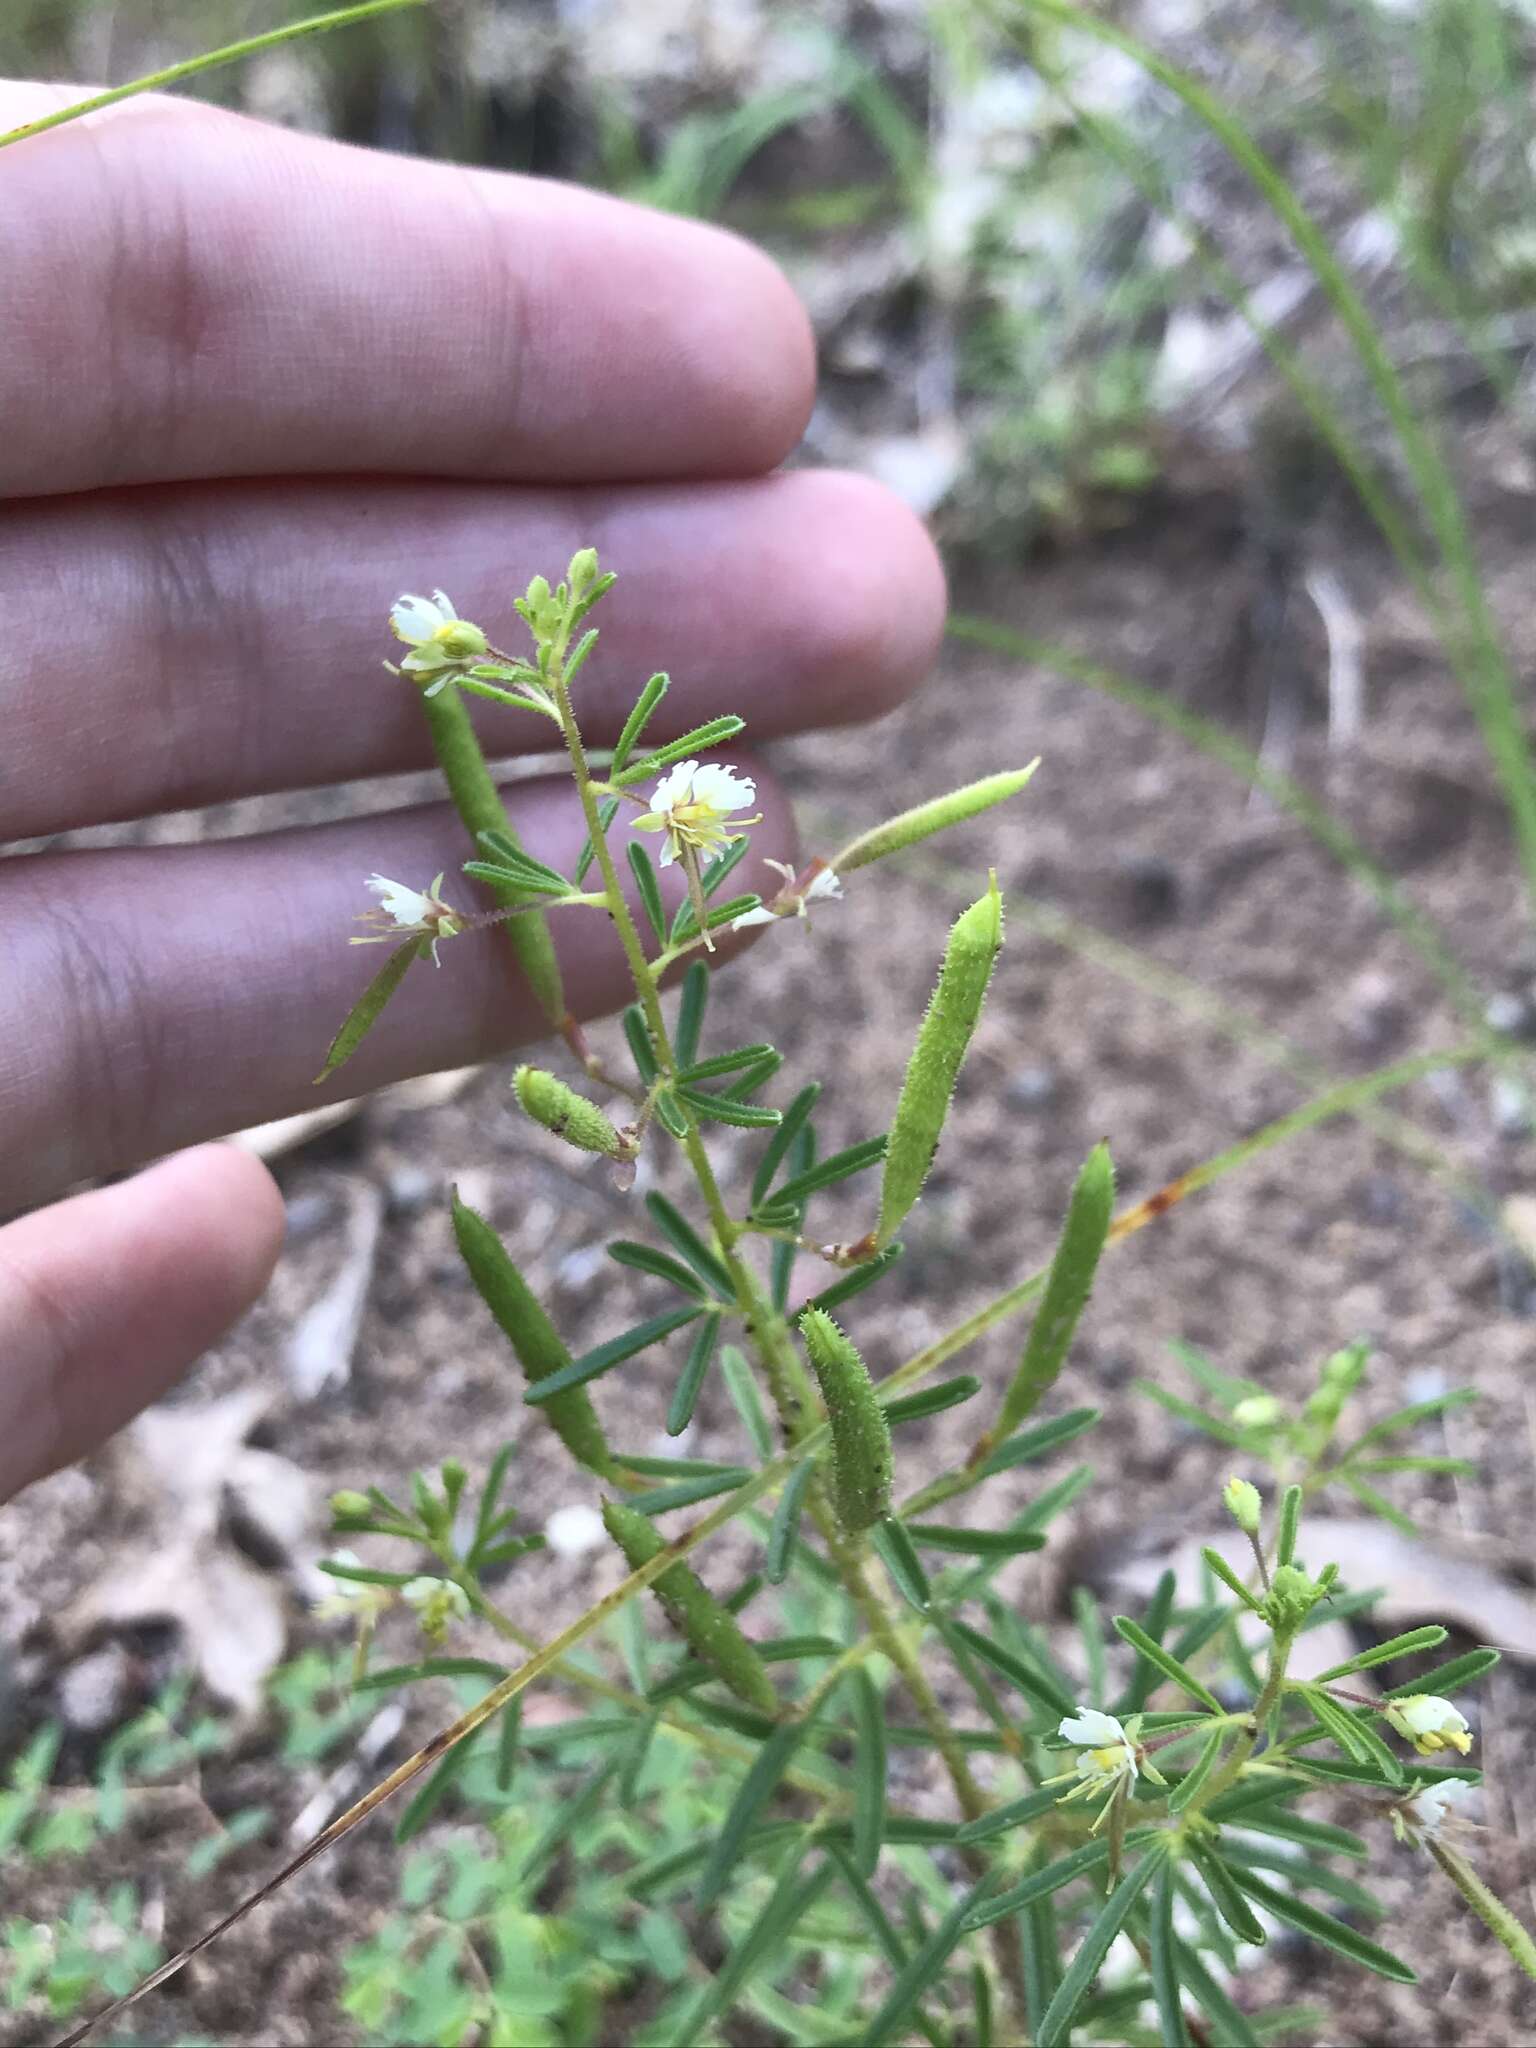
{"x": 1117, "y": 1827}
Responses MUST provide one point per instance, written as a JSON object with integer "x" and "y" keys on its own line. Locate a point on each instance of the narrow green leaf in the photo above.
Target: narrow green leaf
{"x": 1165, "y": 1661}
{"x": 1192, "y": 1780}
{"x": 722, "y": 1062}
{"x": 533, "y": 1337}
{"x": 604, "y": 1357}
{"x": 685, "y": 1396}
{"x": 923, "y": 1969}
{"x": 1445, "y": 1468}
{"x": 869, "y": 1772}
{"x": 1378, "y": 1504}
{"x": 1357, "y": 1741}
{"x": 1186, "y": 1411}
{"x": 784, "y": 1533}
{"x": 499, "y": 844}
{"x": 1217, "y": 1564}
{"x": 1040, "y": 1941}
{"x": 741, "y": 1385}
{"x": 1448, "y": 1678}
{"x": 648, "y": 886}
{"x": 1323, "y": 1927}
{"x": 607, "y": 811}
{"x": 899, "y": 1556}
{"x": 928, "y": 1400}
{"x": 1015, "y": 1814}
{"x": 641, "y": 1051}
{"x": 854, "y": 1283}
{"x": 691, "y": 1005}
{"x": 1225, "y": 1896}
{"x": 387, "y": 1678}
{"x": 837, "y": 1166}
{"x": 502, "y": 875}
{"x": 1084, "y": 1967}
{"x": 909, "y": 827}
{"x": 1035, "y": 1443}
{"x": 710, "y": 734}
{"x": 1230, "y": 2023}
{"x": 1290, "y": 1518}
{"x": 643, "y": 1258}
{"x": 368, "y": 1008}
{"x": 660, "y": 1500}
{"x": 670, "y": 1468}
{"x": 725, "y": 1109}
{"x": 1428, "y": 1638}
{"x": 1311, "y": 1834}
{"x": 778, "y": 1145}
{"x": 787, "y": 1905}
{"x": 756, "y": 1789}
{"x": 1030, "y": 1680}
{"x": 670, "y": 1116}
{"x": 942, "y": 1042}
{"x": 636, "y": 722}
{"x": 1166, "y": 1960}
{"x": 1407, "y": 1418}
{"x": 688, "y": 1244}
{"x": 756, "y": 1077}
{"x": 975, "y": 1542}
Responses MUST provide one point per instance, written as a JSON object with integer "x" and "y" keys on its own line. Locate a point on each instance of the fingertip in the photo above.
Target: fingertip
{"x": 240, "y": 1216}
{"x": 876, "y": 629}
{"x": 754, "y": 347}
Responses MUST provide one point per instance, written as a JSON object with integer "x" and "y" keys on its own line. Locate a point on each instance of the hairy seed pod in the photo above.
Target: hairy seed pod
{"x": 935, "y": 1063}
{"x": 861, "y": 1436}
{"x": 531, "y": 1334}
{"x": 569, "y": 1115}
{"x": 1068, "y": 1286}
{"x": 709, "y": 1629}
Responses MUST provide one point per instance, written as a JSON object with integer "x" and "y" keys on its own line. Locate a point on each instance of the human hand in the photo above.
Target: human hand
{"x": 254, "y": 383}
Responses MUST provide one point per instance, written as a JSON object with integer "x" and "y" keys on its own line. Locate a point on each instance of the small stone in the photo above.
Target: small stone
{"x": 409, "y": 1189}
{"x": 573, "y": 1531}
{"x": 1375, "y": 1010}
{"x": 1510, "y": 1106}
{"x": 1509, "y": 1014}
{"x": 1153, "y": 890}
{"x": 92, "y": 1692}
{"x": 1032, "y": 1088}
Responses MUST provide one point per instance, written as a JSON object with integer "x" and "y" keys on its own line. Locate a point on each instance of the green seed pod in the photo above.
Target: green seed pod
{"x": 936, "y": 1058}
{"x": 1244, "y": 1503}
{"x": 861, "y": 1436}
{"x": 531, "y": 1334}
{"x": 709, "y": 1630}
{"x": 1076, "y": 1259}
{"x": 926, "y": 819}
{"x": 569, "y": 1115}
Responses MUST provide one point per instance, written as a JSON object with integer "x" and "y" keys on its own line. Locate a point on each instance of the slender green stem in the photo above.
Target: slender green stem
{"x": 1274, "y": 1684}
{"x": 231, "y": 53}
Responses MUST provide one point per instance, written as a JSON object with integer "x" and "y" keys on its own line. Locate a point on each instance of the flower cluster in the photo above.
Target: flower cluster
{"x": 1430, "y": 1724}
{"x": 438, "y": 638}
{"x": 1108, "y": 1758}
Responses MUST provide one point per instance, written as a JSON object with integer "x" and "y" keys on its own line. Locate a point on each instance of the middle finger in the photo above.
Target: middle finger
{"x": 213, "y": 641}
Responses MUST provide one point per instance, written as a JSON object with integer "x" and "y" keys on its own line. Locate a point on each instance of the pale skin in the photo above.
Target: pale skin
{"x": 255, "y": 384}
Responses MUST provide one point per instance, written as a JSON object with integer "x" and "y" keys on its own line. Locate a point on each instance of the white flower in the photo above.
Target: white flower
{"x": 351, "y": 1599}
{"x": 574, "y": 1530}
{"x": 1106, "y": 1754}
{"x": 438, "y": 1602}
{"x": 403, "y": 910}
{"x": 691, "y": 804}
{"x": 1421, "y": 1818}
{"x": 1429, "y": 1723}
{"x": 824, "y": 886}
{"x": 437, "y": 637}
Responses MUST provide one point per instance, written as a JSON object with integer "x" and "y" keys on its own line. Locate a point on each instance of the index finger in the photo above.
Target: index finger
{"x": 190, "y": 293}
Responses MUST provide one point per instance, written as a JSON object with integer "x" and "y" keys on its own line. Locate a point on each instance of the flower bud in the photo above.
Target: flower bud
{"x": 438, "y": 1604}
{"x": 350, "y": 1505}
{"x": 582, "y": 570}
{"x": 1258, "y": 1411}
{"x": 1244, "y": 1504}
{"x": 569, "y": 1115}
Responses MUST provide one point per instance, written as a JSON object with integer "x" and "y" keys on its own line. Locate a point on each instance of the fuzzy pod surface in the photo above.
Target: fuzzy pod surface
{"x": 861, "y": 1435}
{"x": 558, "y": 1107}
{"x": 934, "y": 1067}
{"x": 533, "y": 1337}
{"x": 710, "y": 1631}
